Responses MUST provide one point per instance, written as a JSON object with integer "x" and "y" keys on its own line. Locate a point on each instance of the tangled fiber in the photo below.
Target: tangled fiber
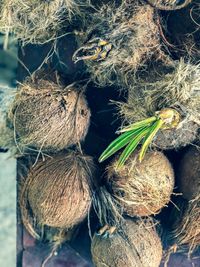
{"x": 36, "y": 21}
{"x": 167, "y": 87}
{"x": 142, "y": 188}
{"x": 118, "y": 41}
{"x": 57, "y": 192}
{"x": 136, "y": 245}
{"x": 169, "y": 4}
{"x": 60, "y": 120}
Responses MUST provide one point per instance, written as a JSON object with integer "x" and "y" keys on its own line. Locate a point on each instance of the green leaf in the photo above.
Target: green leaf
{"x": 132, "y": 146}
{"x": 118, "y": 143}
{"x": 139, "y": 124}
{"x": 148, "y": 139}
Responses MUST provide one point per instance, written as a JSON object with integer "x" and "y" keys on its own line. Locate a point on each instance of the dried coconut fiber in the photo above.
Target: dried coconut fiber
{"x": 57, "y": 192}
{"x": 136, "y": 245}
{"x": 36, "y": 21}
{"x": 174, "y": 87}
{"x": 48, "y": 117}
{"x": 142, "y": 189}
{"x": 169, "y": 4}
{"x": 118, "y": 41}
{"x": 6, "y": 129}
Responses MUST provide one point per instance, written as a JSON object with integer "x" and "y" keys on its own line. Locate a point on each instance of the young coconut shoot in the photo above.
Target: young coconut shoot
{"x": 141, "y": 132}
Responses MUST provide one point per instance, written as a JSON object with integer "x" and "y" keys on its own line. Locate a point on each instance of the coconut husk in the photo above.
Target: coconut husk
{"x": 36, "y": 21}
{"x": 186, "y": 233}
{"x": 57, "y": 192}
{"x": 142, "y": 189}
{"x": 167, "y": 87}
{"x": 6, "y": 128}
{"x": 136, "y": 245}
{"x": 49, "y": 117}
{"x": 188, "y": 174}
{"x": 168, "y": 4}
{"x": 132, "y": 36}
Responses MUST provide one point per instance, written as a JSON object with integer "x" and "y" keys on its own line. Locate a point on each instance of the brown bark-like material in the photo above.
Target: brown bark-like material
{"x": 48, "y": 117}
{"x": 137, "y": 245}
{"x": 142, "y": 188}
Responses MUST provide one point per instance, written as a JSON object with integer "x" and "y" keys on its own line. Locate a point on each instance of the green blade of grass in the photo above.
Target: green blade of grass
{"x": 148, "y": 139}
{"x": 139, "y": 124}
{"x": 117, "y": 144}
{"x": 131, "y": 146}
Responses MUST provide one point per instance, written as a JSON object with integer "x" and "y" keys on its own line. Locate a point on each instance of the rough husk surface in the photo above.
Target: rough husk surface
{"x": 175, "y": 87}
{"x": 60, "y": 120}
{"x": 188, "y": 174}
{"x": 57, "y": 192}
{"x": 137, "y": 245}
{"x": 36, "y": 21}
{"x": 142, "y": 188}
{"x": 132, "y": 30}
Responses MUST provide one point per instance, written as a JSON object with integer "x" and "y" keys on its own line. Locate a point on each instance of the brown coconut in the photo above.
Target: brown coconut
{"x": 188, "y": 174}
{"x": 36, "y": 21}
{"x": 186, "y": 233}
{"x": 176, "y": 86}
{"x": 48, "y": 117}
{"x": 137, "y": 246}
{"x": 133, "y": 33}
{"x": 142, "y": 188}
{"x": 57, "y": 192}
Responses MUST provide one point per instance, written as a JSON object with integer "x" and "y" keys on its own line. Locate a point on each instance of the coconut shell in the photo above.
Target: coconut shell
{"x": 186, "y": 233}
{"x": 188, "y": 174}
{"x": 57, "y": 192}
{"x": 36, "y": 22}
{"x": 142, "y": 188}
{"x": 132, "y": 31}
{"x": 48, "y": 117}
{"x": 167, "y": 87}
{"x": 138, "y": 246}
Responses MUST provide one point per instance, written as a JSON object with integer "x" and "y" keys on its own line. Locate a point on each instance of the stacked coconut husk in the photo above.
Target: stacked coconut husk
{"x": 124, "y": 45}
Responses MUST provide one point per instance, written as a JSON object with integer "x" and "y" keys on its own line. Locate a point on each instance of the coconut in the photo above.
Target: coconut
{"x": 119, "y": 39}
{"x": 188, "y": 174}
{"x": 186, "y": 232}
{"x": 48, "y": 117}
{"x": 164, "y": 87}
{"x": 57, "y": 192}
{"x": 142, "y": 188}
{"x": 138, "y": 246}
{"x": 36, "y": 21}
{"x": 169, "y": 4}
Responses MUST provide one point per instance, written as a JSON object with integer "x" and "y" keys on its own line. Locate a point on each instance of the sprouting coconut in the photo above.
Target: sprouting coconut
{"x": 57, "y": 192}
{"x": 136, "y": 245}
{"x": 163, "y": 108}
{"x": 36, "y": 21}
{"x": 6, "y": 129}
{"x": 119, "y": 39}
{"x": 142, "y": 188}
{"x": 186, "y": 232}
{"x": 48, "y": 117}
{"x": 169, "y": 4}
{"x": 188, "y": 174}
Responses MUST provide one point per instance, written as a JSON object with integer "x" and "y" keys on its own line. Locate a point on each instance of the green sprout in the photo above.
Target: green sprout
{"x": 141, "y": 132}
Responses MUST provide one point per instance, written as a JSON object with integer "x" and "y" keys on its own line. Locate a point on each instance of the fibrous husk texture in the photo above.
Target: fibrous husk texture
{"x": 142, "y": 188}
{"x": 187, "y": 231}
{"x": 36, "y": 21}
{"x": 137, "y": 245}
{"x": 58, "y": 191}
{"x": 48, "y": 117}
{"x": 6, "y": 128}
{"x": 169, "y": 4}
{"x": 162, "y": 87}
{"x": 132, "y": 31}
{"x": 188, "y": 174}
